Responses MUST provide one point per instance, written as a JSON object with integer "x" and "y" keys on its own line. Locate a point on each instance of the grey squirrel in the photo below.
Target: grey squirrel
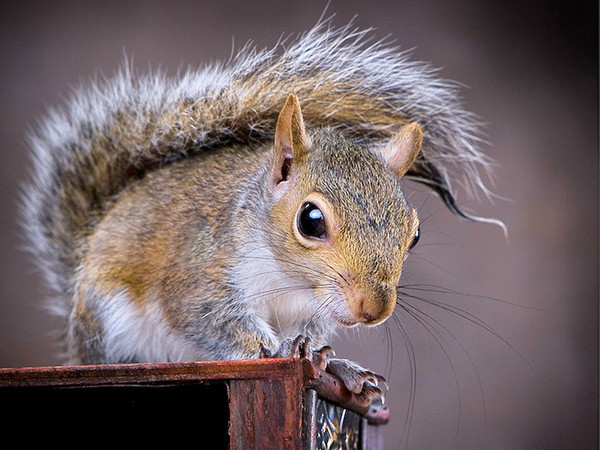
{"x": 224, "y": 213}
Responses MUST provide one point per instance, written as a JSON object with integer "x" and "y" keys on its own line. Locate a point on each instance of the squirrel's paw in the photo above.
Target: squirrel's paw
{"x": 362, "y": 382}
{"x": 299, "y": 347}
{"x": 287, "y": 348}
{"x": 357, "y": 379}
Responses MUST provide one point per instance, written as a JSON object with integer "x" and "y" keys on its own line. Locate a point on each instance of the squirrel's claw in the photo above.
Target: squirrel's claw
{"x": 264, "y": 352}
{"x": 371, "y": 394}
{"x": 320, "y": 358}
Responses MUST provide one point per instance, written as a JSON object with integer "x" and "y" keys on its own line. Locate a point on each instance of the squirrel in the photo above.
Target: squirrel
{"x": 244, "y": 209}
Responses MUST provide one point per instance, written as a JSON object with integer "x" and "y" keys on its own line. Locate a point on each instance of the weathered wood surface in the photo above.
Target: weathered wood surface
{"x": 261, "y": 403}
{"x": 325, "y": 384}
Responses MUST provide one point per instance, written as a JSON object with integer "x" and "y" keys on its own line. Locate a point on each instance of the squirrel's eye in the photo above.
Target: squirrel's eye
{"x": 415, "y": 238}
{"x": 311, "y": 222}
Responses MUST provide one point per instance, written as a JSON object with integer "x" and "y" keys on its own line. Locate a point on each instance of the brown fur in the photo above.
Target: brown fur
{"x": 171, "y": 238}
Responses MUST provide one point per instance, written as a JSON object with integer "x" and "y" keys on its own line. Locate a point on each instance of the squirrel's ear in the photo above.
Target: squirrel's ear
{"x": 290, "y": 138}
{"x": 403, "y": 148}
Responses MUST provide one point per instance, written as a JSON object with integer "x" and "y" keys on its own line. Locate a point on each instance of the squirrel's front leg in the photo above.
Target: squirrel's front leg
{"x": 360, "y": 381}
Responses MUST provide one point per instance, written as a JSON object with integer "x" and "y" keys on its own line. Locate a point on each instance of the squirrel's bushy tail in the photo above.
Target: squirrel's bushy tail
{"x": 116, "y": 130}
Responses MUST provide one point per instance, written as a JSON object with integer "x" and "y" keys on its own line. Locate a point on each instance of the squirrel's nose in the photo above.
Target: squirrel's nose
{"x": 375, "y": 306}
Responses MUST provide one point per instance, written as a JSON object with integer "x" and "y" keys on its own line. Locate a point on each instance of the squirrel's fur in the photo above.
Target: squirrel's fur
{"x": 121, "y": 130}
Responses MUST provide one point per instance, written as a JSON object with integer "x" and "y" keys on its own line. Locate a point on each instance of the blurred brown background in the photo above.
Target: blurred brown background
{"x": 531, "y": 70}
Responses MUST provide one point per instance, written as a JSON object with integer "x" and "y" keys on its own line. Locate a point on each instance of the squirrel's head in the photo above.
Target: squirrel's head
{"x": 345, "y": 223}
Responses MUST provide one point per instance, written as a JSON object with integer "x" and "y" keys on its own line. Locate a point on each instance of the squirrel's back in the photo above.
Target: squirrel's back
{"x": 116, "y": 131}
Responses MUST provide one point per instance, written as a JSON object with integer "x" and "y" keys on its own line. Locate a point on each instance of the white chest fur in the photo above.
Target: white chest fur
{"x": 131, "y": 333}
{"x": 285, "y": 305}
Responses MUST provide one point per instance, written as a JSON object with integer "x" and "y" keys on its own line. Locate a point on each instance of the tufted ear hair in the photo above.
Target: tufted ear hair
{"x": 403, "y": 148}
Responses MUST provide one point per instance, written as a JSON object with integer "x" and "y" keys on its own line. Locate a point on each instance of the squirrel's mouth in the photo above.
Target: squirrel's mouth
{"x": 346, "y": 321}
{"x": 353, "y": 321}
{"x": 339, "y": 312}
